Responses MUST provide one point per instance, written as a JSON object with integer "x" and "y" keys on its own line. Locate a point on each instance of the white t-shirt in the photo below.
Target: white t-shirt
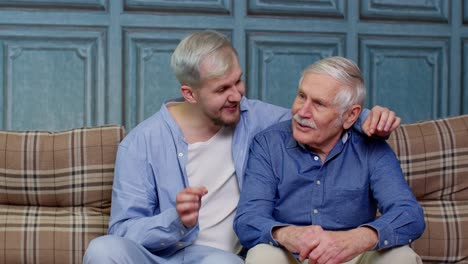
{"x": 210, "y": 164}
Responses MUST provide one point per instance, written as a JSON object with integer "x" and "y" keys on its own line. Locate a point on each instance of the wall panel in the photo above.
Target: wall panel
{"x": 409, "y": 74}
{"x": 420, "y": 10}
{"x": 276, "y": 60}
{"x": 105, "y": 61}
{"x": 329, "y": 8}
{"x": 180, "y": 6}
{"x": 84, "y": 5}
{"x": 147, "y": 62}
{"x": 52, "y": 76}
{"x": 464, "y": 92}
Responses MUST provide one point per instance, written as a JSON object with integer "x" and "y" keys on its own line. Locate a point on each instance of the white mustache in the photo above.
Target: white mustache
{"x": 305, "y": 122}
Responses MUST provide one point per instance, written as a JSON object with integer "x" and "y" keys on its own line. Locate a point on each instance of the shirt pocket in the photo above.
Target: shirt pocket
{"x": 352, "y": 207}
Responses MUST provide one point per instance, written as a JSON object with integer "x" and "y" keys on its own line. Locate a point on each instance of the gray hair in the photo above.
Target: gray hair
{"x": 195, "y": 48}
{"x": 346, "y": 72}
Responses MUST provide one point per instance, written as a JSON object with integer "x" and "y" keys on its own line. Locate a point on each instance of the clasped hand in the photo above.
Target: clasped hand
{"x": 321, "y": 246}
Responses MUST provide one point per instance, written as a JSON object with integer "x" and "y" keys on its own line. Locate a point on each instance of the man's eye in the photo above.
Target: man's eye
{"x": 320, "y": 104}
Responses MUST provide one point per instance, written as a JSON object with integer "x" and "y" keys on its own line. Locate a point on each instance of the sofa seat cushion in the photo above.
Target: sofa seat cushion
{"x": 445, "y": 239}
{"x": 40, "y": 234}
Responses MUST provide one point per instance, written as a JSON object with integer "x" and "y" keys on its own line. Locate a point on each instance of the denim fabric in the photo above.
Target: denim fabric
{"x": 286, "y": 184}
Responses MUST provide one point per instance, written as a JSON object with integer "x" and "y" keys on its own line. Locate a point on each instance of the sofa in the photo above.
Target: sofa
{"x": 434, "y": 159}
{"x": 55, "y": 189}
{"x": 55, "y": 192}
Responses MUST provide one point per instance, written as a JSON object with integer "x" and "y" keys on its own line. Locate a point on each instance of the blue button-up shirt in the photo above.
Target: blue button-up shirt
{"x": 286, "y": 184}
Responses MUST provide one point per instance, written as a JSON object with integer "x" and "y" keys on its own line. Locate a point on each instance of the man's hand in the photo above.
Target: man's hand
{"x": 321, "y": 246}
{"x": 188, "y": 203}
{"x": 380, "y": 122}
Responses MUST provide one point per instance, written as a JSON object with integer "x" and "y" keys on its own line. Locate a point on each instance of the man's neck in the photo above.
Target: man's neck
{"x": 325, "y": 149}
{"x": 194, "y": 125}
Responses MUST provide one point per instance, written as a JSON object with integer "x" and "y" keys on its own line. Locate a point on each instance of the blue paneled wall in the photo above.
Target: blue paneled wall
{"x": 74, "y": 63}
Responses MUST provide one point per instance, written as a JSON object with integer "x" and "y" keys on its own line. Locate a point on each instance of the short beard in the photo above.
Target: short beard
{"x": 220, "y": 122}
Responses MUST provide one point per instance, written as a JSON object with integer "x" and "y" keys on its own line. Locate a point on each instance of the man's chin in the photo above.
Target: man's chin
{"x": 230, "y": 122}
{"x": 299, "y": 137}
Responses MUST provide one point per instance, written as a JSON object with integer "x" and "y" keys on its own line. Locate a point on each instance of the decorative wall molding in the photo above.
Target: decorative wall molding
{"x": 67, "y": 64}
{"x": 180, "y": 6}
{"x": 401, "y": 10}
{"x": 402, "y": 71}
{"x": 321, "y": 8}
{"x": 465, "y": 11}
{"x": 119, "y": 51}
{"x": 276, "y": 60}
{"x": 464, "y": 72}
{"x": 98, "y": 5}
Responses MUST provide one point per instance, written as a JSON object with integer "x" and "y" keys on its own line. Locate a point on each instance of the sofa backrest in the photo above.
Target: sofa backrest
{"x": 62, "y": 169}
{"x": 434, "y": 157}
{"x": 434, "y": 160}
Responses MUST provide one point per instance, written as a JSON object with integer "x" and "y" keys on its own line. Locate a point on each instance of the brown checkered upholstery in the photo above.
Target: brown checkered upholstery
{"x": 55, "y": 192}
{"x": 434, "y": 159}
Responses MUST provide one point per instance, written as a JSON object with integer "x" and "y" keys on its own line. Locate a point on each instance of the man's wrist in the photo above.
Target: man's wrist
{"x": 277, "y": 233}
{"x": 367, "y": 236}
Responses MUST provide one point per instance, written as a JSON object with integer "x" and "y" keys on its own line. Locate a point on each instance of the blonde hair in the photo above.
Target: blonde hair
{"x": 197, "y": 47}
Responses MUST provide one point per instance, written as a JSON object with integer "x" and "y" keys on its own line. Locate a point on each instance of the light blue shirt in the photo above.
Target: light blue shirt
{"x": 150, "y": 171}
{"x": 286, "y": 184}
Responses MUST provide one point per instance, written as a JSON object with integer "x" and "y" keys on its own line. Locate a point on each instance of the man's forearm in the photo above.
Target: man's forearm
{"x": 366, "y": 238}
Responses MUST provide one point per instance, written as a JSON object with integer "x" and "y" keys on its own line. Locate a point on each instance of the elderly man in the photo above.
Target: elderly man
{"x": 178, "y": 173}
{"x": 313, "y": 185}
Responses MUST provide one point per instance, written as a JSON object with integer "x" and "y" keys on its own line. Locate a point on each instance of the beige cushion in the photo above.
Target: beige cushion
{"x": 434, "y": 159}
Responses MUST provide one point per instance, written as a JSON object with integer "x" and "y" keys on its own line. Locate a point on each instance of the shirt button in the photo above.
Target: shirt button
{"x": 410, "y": 240}
{"x": 182, "y": 232}
{"x": 180, "y": 244}
{"x": 315, "y": 211}
{"x": 316, "y": 158}
{"x": 163, "y": 244}
{"x": 318, "y": 182}
{"x": 385, "y": 242}
{"x": 181, "y": 154}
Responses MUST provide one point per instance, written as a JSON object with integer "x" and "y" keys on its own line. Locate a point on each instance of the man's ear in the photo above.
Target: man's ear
{"x": 350, "y": 116}
{"x": 188, "y": 93}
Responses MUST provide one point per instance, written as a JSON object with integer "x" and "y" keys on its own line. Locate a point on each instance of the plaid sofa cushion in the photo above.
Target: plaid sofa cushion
{"x": 71, "y": 168}
{"x": 434, "y": 160}
{"x": 55, "y": 192}
{"x": 41, "y": 234}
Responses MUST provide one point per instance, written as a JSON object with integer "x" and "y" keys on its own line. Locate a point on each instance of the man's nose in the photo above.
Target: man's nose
{"x": 304, "y": 111}
{"x": 235, "y": 95}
